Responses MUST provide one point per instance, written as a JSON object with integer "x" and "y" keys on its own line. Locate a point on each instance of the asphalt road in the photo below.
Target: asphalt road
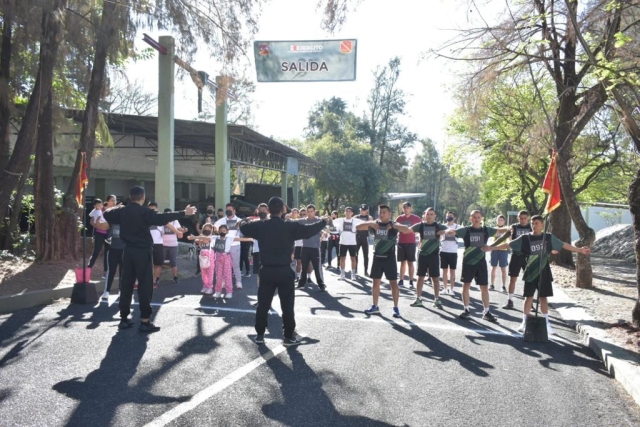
{"x": 69, "y": 365}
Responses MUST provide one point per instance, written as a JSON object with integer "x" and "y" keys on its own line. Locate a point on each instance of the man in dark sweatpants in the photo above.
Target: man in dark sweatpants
{"x": 276, "y": 238}
{"x": 137, "y": 260}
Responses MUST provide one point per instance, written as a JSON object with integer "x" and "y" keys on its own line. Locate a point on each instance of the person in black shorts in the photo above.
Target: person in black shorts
{"x": 384, "y": 256}
{"x": 518, "y": 260}
{"x": 429, "y": 258}
{"x": 538, "y": 246}
{"x": 474, "y": 262}
{"x": 449, "y": 256}
{"x": 407, "y": 244}
{"x": 362, "y": 238}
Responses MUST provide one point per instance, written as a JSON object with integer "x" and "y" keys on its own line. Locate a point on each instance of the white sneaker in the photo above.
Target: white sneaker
{"x": 217, "y": 295}
{"x": 203, "y": 291}
{"x": 248, "y": 275}
{"x": 522, "y": 327}
{"x": 238, "y": 285}
{"x": 550, "y": 330}
{"x": 242, "y": 274}
{"x": 353, "y": 275}
{"x": 228, "y": 296}
{"x": 342, "y": 276}
{"x": 105, "y": 295}
{"x": 208, "y": 291}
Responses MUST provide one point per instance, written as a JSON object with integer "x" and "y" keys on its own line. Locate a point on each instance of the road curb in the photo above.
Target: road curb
{"x": 620, "y": 363}
{"x": 12, "y": 303}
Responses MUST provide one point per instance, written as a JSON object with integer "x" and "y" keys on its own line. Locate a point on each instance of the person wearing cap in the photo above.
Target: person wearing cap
{"x": 407, "y": 243}
{"x": 362, "y": 238}
{"x": 276, "y": 238}
{"x": 134, "y": 220}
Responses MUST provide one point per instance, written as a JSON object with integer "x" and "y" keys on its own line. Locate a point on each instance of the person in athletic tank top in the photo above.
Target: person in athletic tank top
{"x": 518, "y": 260}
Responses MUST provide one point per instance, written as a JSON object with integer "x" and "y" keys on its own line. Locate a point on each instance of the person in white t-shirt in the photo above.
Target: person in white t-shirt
{"x": 170, "y": 234}
{"x": 99, "y": 235}
{"x": 231, "y": 222}
{"x": 449, "y": 256}
{"x": 158, "y": 247}
{"x": 346, "y": 227}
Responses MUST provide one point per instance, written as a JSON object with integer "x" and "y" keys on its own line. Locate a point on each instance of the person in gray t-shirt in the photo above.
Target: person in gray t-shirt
{"x": 310, "y": 251}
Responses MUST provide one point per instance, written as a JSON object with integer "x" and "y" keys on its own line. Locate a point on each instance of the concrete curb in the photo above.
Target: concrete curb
{"x": 12, "y": 303}
{"x": 620, "y": 363}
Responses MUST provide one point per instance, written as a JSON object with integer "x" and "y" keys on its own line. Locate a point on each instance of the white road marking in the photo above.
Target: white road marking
{"x": 214, "y": 389}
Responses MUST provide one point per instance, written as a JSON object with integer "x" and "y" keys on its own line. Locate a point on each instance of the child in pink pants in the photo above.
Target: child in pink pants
{"x": 222, "y": 249}
{"x": 206, "y": 250}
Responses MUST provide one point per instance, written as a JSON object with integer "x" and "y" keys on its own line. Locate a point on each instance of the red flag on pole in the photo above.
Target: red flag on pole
{"x": 82, "y": 180}
{"x": 551, "y": 186}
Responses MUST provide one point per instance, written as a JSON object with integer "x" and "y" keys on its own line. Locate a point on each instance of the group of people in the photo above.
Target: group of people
{"x": 287, "y": 246}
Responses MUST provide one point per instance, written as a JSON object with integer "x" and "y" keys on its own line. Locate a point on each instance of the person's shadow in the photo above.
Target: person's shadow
{"x": 106, "y": 388}
{"x": 305, "y": 402}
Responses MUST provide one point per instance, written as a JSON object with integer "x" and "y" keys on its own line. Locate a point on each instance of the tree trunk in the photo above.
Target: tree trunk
{"x": 12, "y": 232}
{"x": 47, "y": 242}
{"x": 584, "y": 277}
{"x": 560, "y": 226}
{"x": 19, "y": 162}
{"x": 104, "y": 39}
{"x": 634, "y": 205}
{"x": 5, "y": 91}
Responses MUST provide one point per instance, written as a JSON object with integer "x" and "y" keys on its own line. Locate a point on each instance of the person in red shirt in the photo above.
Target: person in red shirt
{"x": 407, "y": 243}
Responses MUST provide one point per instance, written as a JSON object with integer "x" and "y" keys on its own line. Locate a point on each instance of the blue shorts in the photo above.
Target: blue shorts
{"x": 499, "y": 258}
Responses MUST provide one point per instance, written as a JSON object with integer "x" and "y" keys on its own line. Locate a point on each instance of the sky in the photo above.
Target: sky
{"x": 384, "y": 29}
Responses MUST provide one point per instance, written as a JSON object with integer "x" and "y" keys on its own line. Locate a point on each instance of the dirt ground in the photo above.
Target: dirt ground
{"x": 610, "y": 301}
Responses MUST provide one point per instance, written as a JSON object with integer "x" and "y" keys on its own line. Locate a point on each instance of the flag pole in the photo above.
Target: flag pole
{"x": 84, "y": 239}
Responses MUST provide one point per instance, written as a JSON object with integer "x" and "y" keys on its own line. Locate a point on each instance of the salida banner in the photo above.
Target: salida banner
{"x": 305, "y": 61}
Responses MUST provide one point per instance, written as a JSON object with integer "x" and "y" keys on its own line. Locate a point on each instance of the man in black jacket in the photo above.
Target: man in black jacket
{"x": 135, "y": 220}
{"x": 276, "y": 238}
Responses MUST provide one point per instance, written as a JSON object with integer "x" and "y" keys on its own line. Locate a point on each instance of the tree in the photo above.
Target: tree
{"x": 331, "y": 117}
{"x": 427, "y": 174}
{"x": 127, "y": 97}
{"x": 544, "y": 36}
{"x": 386, "y": 135}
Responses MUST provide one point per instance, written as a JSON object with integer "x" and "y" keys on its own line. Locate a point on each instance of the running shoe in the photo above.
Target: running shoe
{"x": 148, "y": 327}
{"x": 175, "y": 279}
{"x": 372, "y": 310}
{"x": 490, "y": 317}
{"x": 208, "y": 291}
{"x": 504, "y": 289}
{"x": 125, "y": 324}
{"x": 259, "y": 339}
{"x": 322, "y": 286}
{"x": 465, "y": 314}
{"x": 217, "y": 295}
{"x": 411, "y": 284}
{"x": 396, "y": 312}
{"x": 401, "y": 283}
{"x": 105, "y": 295}
{"x": 342, "y": 276}
{"x": 242, "y": 273}
{"x": 437, "y": 303}
{"x": 288, "y": 342}
{"x": 522, "y": 327}
{"x": 492, "y": 288}
{"x": 228, "y": 295}
{"x": 248, "y": 275}
{"x": 508, "y": 305}
{"x": 417, "y": 303}
{"x": 353, "y": 275}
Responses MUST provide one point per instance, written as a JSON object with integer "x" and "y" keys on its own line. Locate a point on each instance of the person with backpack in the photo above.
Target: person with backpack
{"x": 537, "y": 246}
{"x": 474, "y": 262}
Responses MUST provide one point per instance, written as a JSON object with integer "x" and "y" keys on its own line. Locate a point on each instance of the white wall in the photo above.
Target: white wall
{"x": 595, "y": 217}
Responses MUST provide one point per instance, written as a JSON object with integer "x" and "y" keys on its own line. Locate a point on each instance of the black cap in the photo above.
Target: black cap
{"x": 406, "y": 205}
{"x": 166, "y": 210}
{"x": 152, "y": 203}
{"x": 364, "y": 207}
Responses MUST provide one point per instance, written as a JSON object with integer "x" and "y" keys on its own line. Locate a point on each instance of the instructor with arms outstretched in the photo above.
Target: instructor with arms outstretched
{"x": 137, "y": 258}
{"x": 276, "y": 238}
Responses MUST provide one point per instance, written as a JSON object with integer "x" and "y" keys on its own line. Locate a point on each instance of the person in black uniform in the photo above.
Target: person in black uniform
{"x": 135, "y": 220}
{"x": 362, "y": 238}
{"x": 276, "y": 239}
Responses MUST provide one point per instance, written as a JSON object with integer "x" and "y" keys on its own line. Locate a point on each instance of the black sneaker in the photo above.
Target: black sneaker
{"x": 125, "y": 324}
{"x": 465, "y": 315}
{"x": 490, "y": 317}
{"x": 492, "y": 288}
{"x": 411, "y": 284}
{"x": 300, "y": 285}
{"x": 322, "y": 286}
{"x": 504, "y": 289}
{"x": 259, "y": 339}
{"x": 508, "y": 305}
{"x": 366, "y": 273}
{"x": 197, "y": 273}
{"x": 288, "y": 342}
{"x": 175, "y": 279}
{"x": 148, "y": 327}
